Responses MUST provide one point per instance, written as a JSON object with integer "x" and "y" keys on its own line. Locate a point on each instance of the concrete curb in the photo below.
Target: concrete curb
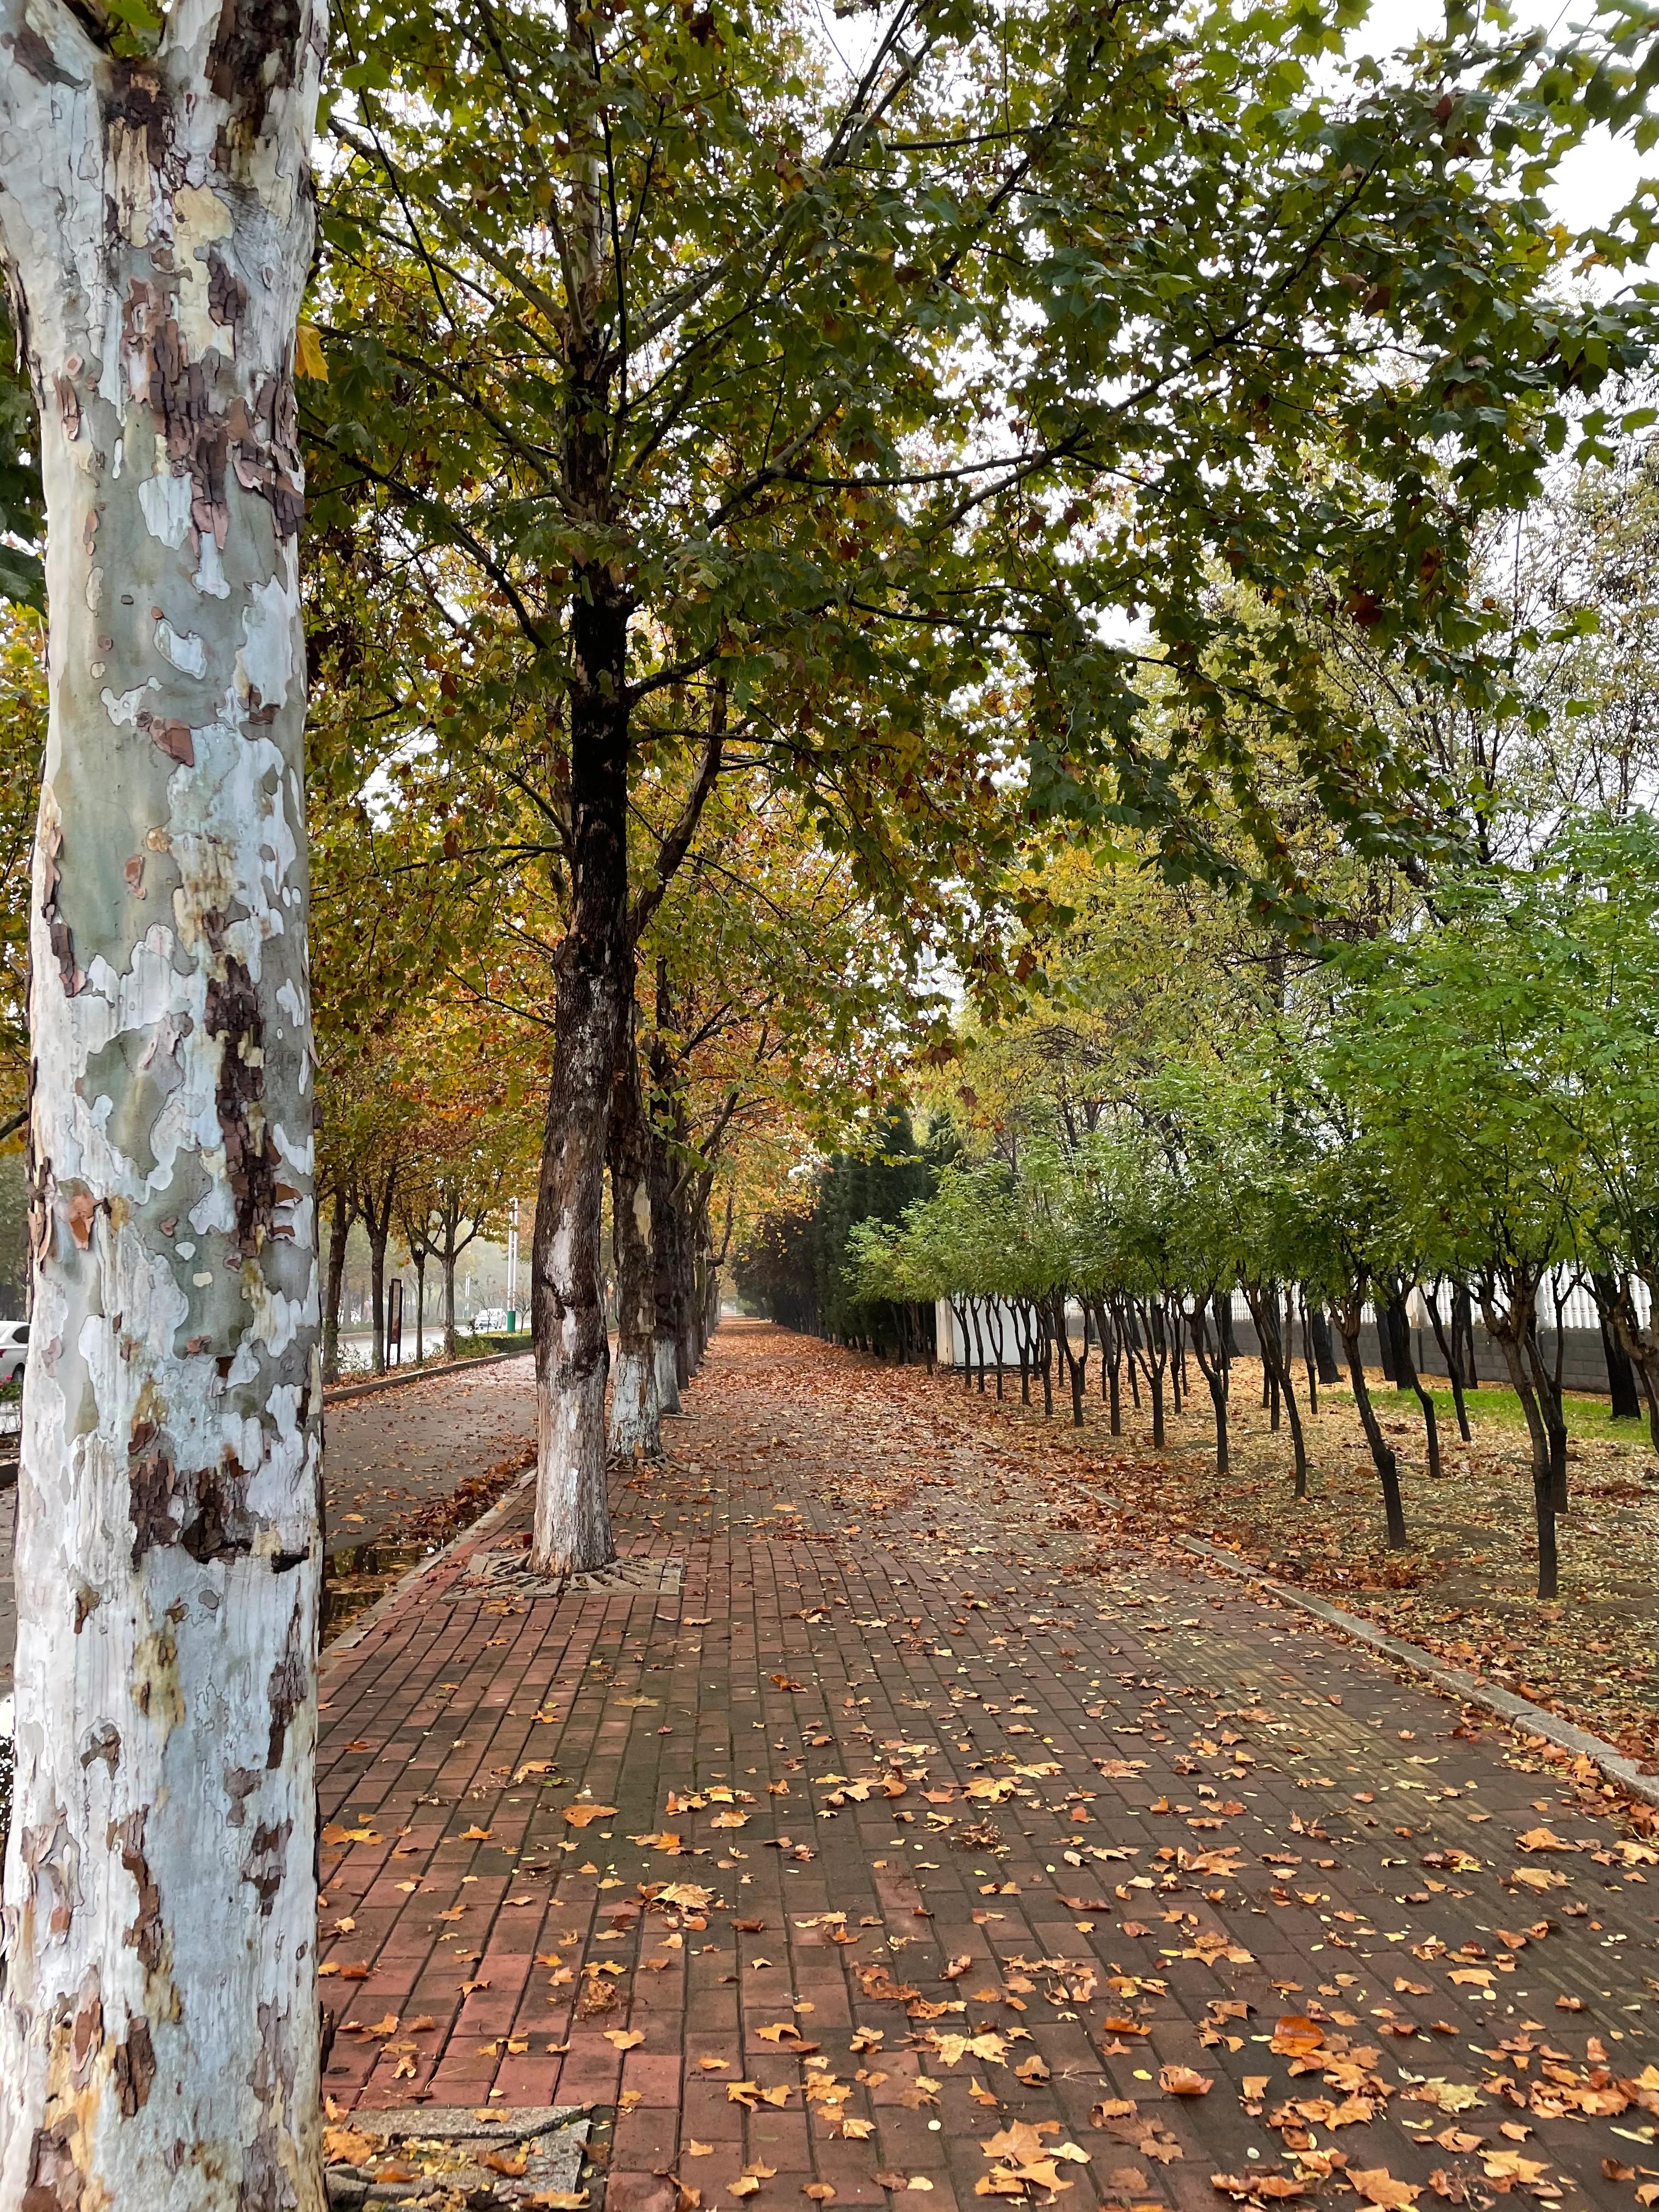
{"x": 341, "y": 1393}
{"x": 485, "y": 1522}
{"x": 1454, "y": 1681}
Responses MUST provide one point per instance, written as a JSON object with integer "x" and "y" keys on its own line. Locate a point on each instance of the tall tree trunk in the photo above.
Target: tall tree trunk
{"x": 377, "y": 1244}
{"x": 420, "y": 1260}
{"x": 159, "y": 2031}
{"x": 592, "y": 998}
{"x": 377, "y": 1202}
{"x": 665, "y": 1213}
{"x": 635, "y": 1430}
{"x": 339, "y": 1235}
{"x": 449, "y": 1256}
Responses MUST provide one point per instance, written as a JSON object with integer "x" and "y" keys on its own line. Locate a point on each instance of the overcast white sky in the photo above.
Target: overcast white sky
{"x": 1599, "y": 177}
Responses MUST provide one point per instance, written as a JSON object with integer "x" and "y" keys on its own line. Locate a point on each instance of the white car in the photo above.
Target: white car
{"x": 14, "y": 1350}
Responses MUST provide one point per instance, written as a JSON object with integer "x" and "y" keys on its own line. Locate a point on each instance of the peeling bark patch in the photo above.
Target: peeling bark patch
{"x": 34, "y": 55}
{"x": 136, "y": 103}
{"x": 102, "y": 1742}
{"x": 153, "y": 1499}
{"x": 265, "y": 2185}
{"x": 49, "y": 1850}
{"x": 220, "y": 1528}
{"x": 253, "y": 56}
{"x": 267, "y": 1861}
{"x": 87, "y": 2033}
{"x": 172, "y": 739}
{"x": 135, "y": 2066}
{"x": 146, "y": 1936}
{"x": 232, "y": 1015}
{"x": 58, "y": 930}
{"x": 241, "y": 1782}
{"x": 289, "y": 1678}
{"x": 227, "y": 294}
{"x": 54, "y": 2183}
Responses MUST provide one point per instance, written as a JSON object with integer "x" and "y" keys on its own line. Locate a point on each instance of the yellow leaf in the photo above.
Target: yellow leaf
{"x": 625, "y": 2038}
{"x": 309, "y": 353}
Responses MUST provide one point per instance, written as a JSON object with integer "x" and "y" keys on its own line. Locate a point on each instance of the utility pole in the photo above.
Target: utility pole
{"x": 513, "y": 1266}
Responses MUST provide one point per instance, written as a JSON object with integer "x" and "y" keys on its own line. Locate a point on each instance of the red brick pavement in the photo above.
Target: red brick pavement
{"x": 872, "y": 1588}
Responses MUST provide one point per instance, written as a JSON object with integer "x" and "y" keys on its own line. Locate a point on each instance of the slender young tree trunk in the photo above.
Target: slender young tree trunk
{"x": 1453, "y": 1366}
{"x": 1263, "y": 1302}
{"x": 1547, "y": 1383}
{"x": 1405, "y": 1366}
{"x": 1215, "y": 1372}
{"x": 1508, "y": 1329}
{"x": 1349, "y": 1314}
{"x": 1624, "y": 1399}
{"x": 419, "y": 1258}
{"x": 959, "y": 1316}
{"x": 1324, "y": 1355}
{"x": 635, "y": 1426}
{"x": 159, "y": 2028}
{"x": 1309, "y": 1359}
{"x": 1463, "y": 1334}
{"x": 339, "y": 1235}
{"x": 1641, "y": 1348}
{"x": 1152, "y": 1350}
{"x": 1077, "y": 1370}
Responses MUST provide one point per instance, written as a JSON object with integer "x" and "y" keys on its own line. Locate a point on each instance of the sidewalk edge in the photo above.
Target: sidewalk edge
{"x": 341, "y": 1394}
{"x": 485, "y": 1522}
{"x": 1454, "y": 1681}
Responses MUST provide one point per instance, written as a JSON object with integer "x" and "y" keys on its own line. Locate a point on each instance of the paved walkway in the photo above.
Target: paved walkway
{"x": 386, "y": 1453}
{"x": 398, "y": 1447}
{"x": 872, "y": 1846}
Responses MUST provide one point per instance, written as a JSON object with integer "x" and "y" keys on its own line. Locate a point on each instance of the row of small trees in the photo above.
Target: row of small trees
{"x": 1469, "y": 1109}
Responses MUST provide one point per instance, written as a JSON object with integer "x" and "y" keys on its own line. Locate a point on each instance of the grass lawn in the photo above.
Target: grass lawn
{"x": 1587, "y": 1416}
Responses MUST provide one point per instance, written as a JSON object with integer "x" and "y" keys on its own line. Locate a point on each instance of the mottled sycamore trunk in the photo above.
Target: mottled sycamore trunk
{"x": 339, "y": 1236}
{"x": 159, "y": 2023}
{"x": 665, "y": 1225}
{"x": 593, "y": 996}
{"x": 635, "y": 1430}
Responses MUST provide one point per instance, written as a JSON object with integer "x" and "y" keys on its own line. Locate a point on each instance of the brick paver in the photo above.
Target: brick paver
{"x": 945, "y": 1783}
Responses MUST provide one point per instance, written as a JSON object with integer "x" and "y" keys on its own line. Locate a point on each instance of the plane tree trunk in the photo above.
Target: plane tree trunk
{"x": 159, "y": 2027}
{"x": 635, "y": 1430}
{"x": 592, "y": 998}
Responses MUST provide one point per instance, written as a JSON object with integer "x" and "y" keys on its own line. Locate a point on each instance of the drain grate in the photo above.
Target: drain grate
{"x": 495, "y": 1575}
